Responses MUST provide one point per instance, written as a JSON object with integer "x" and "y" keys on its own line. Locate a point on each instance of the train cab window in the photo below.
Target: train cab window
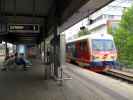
{"x": 102, "y": 45}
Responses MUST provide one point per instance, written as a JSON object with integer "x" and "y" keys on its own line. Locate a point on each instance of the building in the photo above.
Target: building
{"x": 107, "y": 17}
{"x": 102, "y": 20}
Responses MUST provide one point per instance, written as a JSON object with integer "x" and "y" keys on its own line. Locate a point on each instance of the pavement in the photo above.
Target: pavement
{"x": 84, "y": 85}
{"x": 102, "y": 86}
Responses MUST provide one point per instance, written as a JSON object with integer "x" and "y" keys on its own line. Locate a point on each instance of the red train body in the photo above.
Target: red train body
{"x": 96, "y": 52}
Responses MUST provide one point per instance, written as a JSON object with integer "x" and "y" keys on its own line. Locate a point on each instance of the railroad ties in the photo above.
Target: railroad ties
{"x": 121, "y": 74}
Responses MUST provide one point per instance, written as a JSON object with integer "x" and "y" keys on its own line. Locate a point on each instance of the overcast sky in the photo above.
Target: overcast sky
{"x": 75, "y": 29}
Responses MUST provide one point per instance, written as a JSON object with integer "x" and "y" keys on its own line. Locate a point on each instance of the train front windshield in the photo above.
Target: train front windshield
{"x": 102, "y": 45}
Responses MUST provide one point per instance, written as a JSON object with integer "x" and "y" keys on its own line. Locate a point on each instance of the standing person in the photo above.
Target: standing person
{"x": 20, "y": 60}
{"x": 16, "y": 58}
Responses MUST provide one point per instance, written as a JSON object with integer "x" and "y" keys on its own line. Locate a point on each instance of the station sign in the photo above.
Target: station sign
{"x": 23, "y": 28}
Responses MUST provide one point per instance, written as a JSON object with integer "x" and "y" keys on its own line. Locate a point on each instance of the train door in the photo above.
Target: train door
{"x": 84, "y": 49}
{"x": 78, "y": 51}
{"x": 90, "y": 48}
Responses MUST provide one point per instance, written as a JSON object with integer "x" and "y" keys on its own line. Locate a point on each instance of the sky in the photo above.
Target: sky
{"x": 75, "y": 29}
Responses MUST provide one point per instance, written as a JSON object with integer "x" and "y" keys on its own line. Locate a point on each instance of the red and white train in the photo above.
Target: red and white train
{"x": 96, "y": 52}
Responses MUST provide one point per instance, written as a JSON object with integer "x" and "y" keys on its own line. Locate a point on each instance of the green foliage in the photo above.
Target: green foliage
{"x": 124, "y": 38}
{"x": 83, "y": 32}
{"x": 111, "y": 30}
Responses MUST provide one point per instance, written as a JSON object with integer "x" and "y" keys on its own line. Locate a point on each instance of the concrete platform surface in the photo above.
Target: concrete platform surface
{"x": 85, "y": 85}
{"x": 108, "y": 88}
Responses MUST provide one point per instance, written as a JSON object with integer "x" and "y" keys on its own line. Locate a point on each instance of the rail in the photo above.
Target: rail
{"x": 121, "y": 74}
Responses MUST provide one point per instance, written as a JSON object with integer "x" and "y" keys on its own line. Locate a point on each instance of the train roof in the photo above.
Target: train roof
{"x": 93, "y": 36}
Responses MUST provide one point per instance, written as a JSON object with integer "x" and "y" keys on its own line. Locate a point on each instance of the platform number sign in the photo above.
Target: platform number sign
{"x": 23, "y": 28}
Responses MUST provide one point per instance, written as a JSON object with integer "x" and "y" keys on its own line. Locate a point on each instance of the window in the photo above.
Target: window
{"x": 83, "y": 46}
{"x": 111, "y": 16}
{"x": 95, "y": 20}
{"x": 102, "y": 45}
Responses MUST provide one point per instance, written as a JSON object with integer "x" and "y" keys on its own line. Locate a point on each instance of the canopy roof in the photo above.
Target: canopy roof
{"x": 45, "y": 13}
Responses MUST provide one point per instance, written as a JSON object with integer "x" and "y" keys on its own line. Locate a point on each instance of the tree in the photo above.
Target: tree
{"x": 124, "y": 37}
{"x": 83, "y": 31}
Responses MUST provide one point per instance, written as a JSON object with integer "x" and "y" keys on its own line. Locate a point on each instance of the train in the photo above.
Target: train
{"x": 96, "y": 52}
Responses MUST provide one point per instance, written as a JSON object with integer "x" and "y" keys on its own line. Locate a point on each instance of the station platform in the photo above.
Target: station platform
{"x": 84, "y": 85}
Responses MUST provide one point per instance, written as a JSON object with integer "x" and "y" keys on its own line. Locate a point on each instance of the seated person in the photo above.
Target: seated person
{"x": 9, "y": 60}
{"x": 5, "y": 63}
{"x": 20, "y": 60}
{"x": 15, "y": 59}
{"x": 22, "y": 57}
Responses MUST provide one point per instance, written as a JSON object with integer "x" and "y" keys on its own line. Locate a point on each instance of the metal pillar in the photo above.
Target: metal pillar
{"x": 58, "y": 57}
{"x": 44, "y": 51}
{"x": 40, "y": 48}
{"x": 45, "y": 67}
{"x": 62, "y": 57}
{"x": 56, "y": 52}
{"x": 6, "y": 49}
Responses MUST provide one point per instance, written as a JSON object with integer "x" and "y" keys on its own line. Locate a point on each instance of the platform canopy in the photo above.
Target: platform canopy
{"x": 30, "y": 21}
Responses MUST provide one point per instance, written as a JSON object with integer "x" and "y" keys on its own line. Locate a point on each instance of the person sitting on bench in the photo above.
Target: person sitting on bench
{"x": 9, "y": 60}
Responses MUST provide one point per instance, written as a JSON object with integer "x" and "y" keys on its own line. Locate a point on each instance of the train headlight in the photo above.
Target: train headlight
{"x": 94, "y": 57}
{"x": 112, "y": 57}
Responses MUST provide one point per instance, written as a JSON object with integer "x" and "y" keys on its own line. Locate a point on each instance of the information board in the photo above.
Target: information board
{"x": 24, "y": 28}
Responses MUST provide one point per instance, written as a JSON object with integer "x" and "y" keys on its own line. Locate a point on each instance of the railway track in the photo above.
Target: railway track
{"x": 120, "y": 74}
